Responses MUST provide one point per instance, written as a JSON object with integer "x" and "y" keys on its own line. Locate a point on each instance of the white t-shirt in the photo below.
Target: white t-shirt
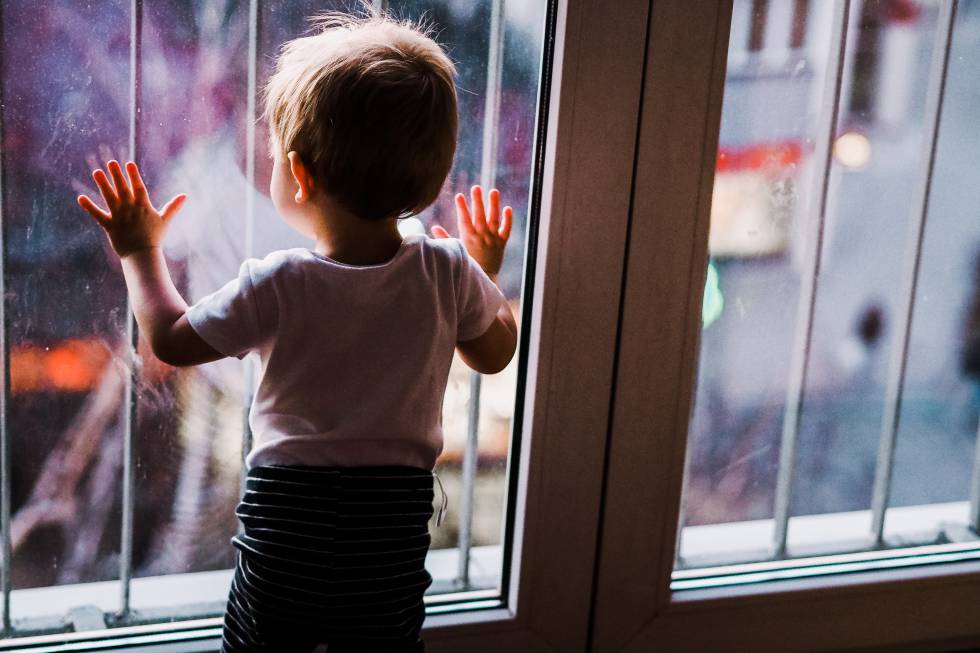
{"x": 354, "y": 360}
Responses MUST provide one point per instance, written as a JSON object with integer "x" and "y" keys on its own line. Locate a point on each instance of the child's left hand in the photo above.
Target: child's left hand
{"x": 484, "y": 234}
{"x": 131, "y": 222}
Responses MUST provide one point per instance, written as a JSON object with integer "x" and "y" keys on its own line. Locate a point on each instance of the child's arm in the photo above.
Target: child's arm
{"x": 136, "y": 231}
{"x": 485, "y": 236}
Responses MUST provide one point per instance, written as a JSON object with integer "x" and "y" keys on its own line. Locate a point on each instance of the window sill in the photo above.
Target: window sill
{"x": 181, "y": 600}
{"x": 736, "y": 553}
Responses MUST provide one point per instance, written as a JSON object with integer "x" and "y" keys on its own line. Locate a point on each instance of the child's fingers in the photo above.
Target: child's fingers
{"x": 122, "y": 186}
{"x": 493, "y": 220}
{"x": 439, "y": 232}
{"x": 170, "y": 209}
{"x": 506, "y": 223}
{"x": 479, "y": 212}
{"x": 100, "y": 216}
{"x": 105, "y": 188}
{"x": 136, "y": 181}
{"x": 463, "y": 219}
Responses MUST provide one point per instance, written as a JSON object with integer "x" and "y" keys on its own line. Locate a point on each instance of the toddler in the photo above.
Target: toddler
{"x": 354, "y": 336}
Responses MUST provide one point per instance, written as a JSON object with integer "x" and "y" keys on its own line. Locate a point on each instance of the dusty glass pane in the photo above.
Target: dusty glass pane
{"x": 65, "y": 296}
{"x": 193, "y": 140}
{"x": 66, "y": 109}
{"x": 766, "y": 198}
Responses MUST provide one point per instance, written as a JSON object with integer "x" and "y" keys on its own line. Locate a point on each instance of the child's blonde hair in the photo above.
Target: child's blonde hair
{"x": 369, "y": 104}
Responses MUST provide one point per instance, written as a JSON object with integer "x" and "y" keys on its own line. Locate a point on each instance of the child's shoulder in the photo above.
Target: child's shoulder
{"x": 450, "y": 248}
{"x": 282, "y": 264}
{"x": 447, "y": 254}
{"x": 275, "y": 267}
{"x": 278, "y": 261}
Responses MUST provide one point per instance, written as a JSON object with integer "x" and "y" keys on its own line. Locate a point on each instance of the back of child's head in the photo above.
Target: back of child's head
{"x": 369, "y": 104}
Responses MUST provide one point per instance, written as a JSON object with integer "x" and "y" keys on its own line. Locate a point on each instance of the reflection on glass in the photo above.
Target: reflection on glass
{"x": 766, "y": 199}
{"x": 66, "y": 109}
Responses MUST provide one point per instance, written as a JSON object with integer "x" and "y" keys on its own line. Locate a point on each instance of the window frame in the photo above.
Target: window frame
{"x": 635, "y": 91}
{"x": 916, "y": 608}
{"x": 588, "y": 117}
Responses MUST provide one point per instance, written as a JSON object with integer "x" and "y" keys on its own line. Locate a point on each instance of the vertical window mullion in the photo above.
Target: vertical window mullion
{"x": 827, "y": 128}
{"x": 129, "y": 412}
{"x": 6, "y": 548}
{"x": 488, "y": 176}
{"x": 250, "y": 190}
{"x": 898, "y": 358}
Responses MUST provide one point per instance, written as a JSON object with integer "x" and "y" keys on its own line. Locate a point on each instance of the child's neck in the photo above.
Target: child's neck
{"x": 348, "y": 239}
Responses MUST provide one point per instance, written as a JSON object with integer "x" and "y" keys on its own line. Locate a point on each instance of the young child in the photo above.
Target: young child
{"x": 354, "y": 336}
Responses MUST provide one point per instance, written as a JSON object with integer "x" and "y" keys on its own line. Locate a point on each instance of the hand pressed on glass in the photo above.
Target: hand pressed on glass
{"x": 484, "y": 235}
{"x": 136, "y": 229}
{"x": 131, "y": 222}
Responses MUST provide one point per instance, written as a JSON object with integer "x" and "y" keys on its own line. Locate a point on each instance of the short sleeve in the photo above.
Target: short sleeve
{"x": 478, "y": 301}
{"x": 230, "y": 319}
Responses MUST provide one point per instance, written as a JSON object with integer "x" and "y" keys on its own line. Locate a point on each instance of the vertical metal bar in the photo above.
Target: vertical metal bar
{"x": 810, "y": 273}
{"x": 488, "y": 175}
{"x": 250, "y": 119}
{"x": 132, "y": 333}
{"x": 249, "y": 372}
{"x": 470, "y": 456}
{"x": 6, "y": 549}
{"x": 801, "y": 11}
{"x": 759, "y": 18}
{"x": 975, "y": 488}
{"x": 380, "y": 6}
{"x": 898, "y": 358}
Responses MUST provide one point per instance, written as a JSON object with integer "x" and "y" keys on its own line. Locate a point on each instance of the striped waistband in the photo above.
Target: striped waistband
{"x": 323, "y": 482}
{"x": 386, "y": 474}
{"x": 335, "y": 517}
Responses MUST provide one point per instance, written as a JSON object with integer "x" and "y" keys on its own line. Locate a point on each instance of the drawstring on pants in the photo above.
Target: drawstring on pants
{"x": 441, "y": 514}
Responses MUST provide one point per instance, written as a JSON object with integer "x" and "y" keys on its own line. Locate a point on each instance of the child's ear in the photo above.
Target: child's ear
{"x": 302, "y": 177}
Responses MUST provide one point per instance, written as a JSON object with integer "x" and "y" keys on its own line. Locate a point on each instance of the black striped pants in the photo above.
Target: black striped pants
{"x": 330, "y": 555}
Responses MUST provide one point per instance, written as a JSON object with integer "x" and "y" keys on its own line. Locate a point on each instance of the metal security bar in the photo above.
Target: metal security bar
{"x": 6, "y": 549}
{"x": 757, "y": 34}
{"x": 132, "y": 334}
{"x": 975, "y": 488}
{"x": 801, "y": 11}
{"x": 826, "y": 130}
{"x": 488, "y": 174}
{"x": 898, "y": 359}
{"x": 249, "y": 373}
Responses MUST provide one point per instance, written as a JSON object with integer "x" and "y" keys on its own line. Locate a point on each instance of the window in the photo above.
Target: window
{"x": 634, "y": 105}
{"x": 835, "y": 410}
{"x": 798, "y": 212}
{"x": 121, "y": 474}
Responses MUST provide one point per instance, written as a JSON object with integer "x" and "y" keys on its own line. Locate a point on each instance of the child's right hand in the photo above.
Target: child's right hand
{"x": 130, "y": 220}
{"x": 483, "y": 234}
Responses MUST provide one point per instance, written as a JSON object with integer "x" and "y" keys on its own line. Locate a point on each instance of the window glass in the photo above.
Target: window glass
{"x": 193, "y": 139}
{"x": 64, "y": 297}
{"x": 66, "y": 109}
{"x": 807, "y": 312}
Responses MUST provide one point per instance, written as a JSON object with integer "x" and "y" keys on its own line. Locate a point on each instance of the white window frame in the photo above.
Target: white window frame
{"x": 916, "y": 608}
